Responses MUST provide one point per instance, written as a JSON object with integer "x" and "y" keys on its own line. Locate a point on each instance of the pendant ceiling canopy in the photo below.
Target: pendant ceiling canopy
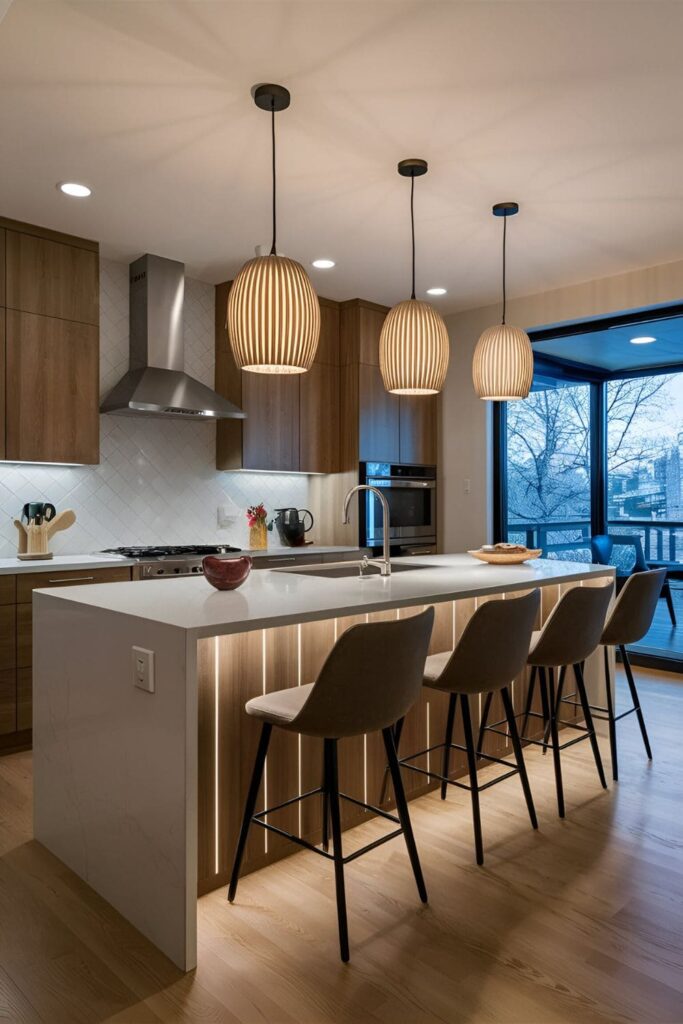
{"x": 503, "y": 363}
{"x": 413, "y": 345}
{"x": 273, "y": 315}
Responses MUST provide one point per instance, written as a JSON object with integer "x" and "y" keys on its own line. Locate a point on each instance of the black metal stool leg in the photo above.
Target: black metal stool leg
{"x": 636, "y": 701}
{"x": 610, "y": 718}
{"x": 249, "y": 807}
{"x": 482, "y": 725}
{"x": 548, "y": 685}
{"x": 447, "y": 747}
{"x": 666, "y": 590}
{"x": 325, "y": 808}
{"x": 529, "y": 699}
{"x": 519, "y": 756}
{"x": 545, "y": 705}
{"x": 402, "y": 809}
{"x": 472, "y": 766}
{"x": 331, "y": 773}
{"x": 589, "y": 723}
{"x": 397, "y": 730}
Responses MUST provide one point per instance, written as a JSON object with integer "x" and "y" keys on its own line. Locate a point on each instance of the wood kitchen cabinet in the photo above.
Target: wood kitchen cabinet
{"x": 52, "y": 376}
{"x": 292, "y": 420}
{"x": 16, "y": 642}
{"x": 49, "y": 346}
{"x": 375, "y": 425}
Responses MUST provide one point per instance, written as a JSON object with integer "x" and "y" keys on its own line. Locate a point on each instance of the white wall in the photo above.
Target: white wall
{"x": 156, "y": 482}
{"x": 465, "y": 434}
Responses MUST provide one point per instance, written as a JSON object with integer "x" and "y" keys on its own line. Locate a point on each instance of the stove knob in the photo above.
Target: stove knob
{"x": 176, "y": 570}
{"x": 160, "y": 572}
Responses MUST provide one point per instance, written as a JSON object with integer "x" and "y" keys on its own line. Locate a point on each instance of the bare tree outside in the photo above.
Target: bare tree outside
{"x": 548, "y": 454}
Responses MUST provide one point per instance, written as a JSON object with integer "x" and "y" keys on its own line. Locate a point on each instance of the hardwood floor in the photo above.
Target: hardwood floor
{"x": 579, "y": 922}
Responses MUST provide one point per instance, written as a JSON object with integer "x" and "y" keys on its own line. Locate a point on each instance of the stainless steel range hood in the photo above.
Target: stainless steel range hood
{"x": 156, "y": 383}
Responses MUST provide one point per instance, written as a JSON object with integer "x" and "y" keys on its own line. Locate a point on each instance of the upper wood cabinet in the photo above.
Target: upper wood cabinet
{"x": 292, "y": 420}
{"x": 52, "y": 375}
{"x": 51, "y": 278}
{"x": 49, "y": 346}
{"x": 375, "y": 425}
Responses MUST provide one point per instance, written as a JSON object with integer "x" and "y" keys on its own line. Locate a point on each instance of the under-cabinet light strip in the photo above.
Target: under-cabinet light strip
{"x": 265, "y": 767}
{"x": 216, "y": 802}
{"x": 298, "y": 683}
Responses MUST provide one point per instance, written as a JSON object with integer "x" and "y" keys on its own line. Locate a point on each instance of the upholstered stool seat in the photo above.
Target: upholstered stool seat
{"x": 282, "y": 707}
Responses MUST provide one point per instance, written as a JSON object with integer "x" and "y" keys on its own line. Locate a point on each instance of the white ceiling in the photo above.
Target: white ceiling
{"x": 572, "y": 109}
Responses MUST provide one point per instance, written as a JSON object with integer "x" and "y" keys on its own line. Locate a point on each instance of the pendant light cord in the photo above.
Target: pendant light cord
{"x": 273, "y": 251}
{"x": 505, "y": 225}
{"x": 412, "y": 228}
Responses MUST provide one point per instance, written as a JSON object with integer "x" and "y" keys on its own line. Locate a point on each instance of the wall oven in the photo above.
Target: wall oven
{"x": 411, "y": 494}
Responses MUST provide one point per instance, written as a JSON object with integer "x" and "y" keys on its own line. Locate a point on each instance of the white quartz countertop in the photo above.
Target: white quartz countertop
{"x": 273, "y": 598}
{"x": 61, "y": 563}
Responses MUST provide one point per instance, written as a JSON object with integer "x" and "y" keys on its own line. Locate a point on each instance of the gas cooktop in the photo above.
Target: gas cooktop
{"x": 175, "y": 551}
{"x": 172, "y": 560}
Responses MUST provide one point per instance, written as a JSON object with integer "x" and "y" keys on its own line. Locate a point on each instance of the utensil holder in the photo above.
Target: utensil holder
{"x": 258, "y": 537}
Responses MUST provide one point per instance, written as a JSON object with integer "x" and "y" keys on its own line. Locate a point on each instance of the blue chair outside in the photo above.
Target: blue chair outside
{"x": 625, "y": 552}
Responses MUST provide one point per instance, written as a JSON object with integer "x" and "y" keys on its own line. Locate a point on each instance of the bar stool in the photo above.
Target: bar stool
{"x": 371, "y": 678}
{"x": 490, "y": 653}
{"x": 628, "y": 623}
{"x": 572, "y": 632}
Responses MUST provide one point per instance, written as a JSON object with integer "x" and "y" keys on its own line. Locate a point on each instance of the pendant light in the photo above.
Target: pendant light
{"x": 273, "y": 312}
{"x": 413, "y": 345}
{"x": 503, "y": 364}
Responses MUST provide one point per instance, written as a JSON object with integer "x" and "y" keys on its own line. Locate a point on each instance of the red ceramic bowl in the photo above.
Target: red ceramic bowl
{"x": 226, "y": 573}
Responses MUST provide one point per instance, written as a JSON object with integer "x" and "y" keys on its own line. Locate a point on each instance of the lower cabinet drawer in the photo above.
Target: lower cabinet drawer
{"x": 8, "y": 702}
{"x": 30, "y": 581}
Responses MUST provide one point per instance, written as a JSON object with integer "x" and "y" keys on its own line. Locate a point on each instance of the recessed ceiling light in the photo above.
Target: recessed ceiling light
{"x": 436, "y": 291}
{"x": 646, "y": 339}
{"x": 72, "y": 188}
{"x": 323, "y": 264}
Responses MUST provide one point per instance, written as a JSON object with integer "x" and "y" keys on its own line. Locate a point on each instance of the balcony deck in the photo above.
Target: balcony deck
{"x": 663, "y": 639}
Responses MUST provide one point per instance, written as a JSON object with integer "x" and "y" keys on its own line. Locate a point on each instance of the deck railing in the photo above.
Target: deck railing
{"x": 662, "y": 539}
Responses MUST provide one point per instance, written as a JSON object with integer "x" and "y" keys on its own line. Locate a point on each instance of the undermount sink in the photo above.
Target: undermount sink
{"x": 350, "y": 569}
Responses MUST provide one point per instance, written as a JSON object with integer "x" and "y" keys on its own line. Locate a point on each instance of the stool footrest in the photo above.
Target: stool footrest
{"x": 404, "y": 762}
{"x": 258, "y": 819}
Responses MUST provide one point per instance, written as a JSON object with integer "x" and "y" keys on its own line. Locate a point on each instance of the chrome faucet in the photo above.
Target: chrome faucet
{"x": 384, "y": 563}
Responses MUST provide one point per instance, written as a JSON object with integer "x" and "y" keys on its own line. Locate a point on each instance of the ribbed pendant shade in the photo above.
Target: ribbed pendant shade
{"x": 413, "y": 349}
{"x": 503, "y": 364}
{"x": 273, "y": 316}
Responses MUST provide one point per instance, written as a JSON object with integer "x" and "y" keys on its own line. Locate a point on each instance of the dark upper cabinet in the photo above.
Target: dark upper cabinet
{"x": 292, "y": 420}
{"x": 375, "y": 425}
{"x": 51, "y": 278}
{"x": 270, "y": 437}
{"x": 378, "y": 418}
{"x": 49, "y": 352}
{"x": 52, "y": 372}
{"x": 417, "y": 429}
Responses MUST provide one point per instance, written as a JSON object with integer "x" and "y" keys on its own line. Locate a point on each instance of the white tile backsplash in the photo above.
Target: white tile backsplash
{"x": 156, "y": 482}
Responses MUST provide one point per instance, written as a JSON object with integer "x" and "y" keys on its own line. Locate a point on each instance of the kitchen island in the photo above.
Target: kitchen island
{"x": 140, "y": 790}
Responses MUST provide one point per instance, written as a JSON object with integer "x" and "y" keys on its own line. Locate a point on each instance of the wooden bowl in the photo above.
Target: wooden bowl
{"x": 506, "y": 558}
{"x": 226, "y": 573}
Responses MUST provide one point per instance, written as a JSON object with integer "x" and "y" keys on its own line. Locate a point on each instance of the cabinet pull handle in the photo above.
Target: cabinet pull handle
{"x": 74, "y": 579}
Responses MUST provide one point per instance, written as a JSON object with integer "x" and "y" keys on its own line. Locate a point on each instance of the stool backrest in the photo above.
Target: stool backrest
{"x": 493, "y": 647}
{"x": 371, "y": 678}
{"x": 622, "y": 550}
{"x": 635, "y": 607}
{"x": 574, "y": 627}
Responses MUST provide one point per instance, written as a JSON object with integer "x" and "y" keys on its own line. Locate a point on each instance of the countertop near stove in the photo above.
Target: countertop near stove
{"x": 61, "y": 563}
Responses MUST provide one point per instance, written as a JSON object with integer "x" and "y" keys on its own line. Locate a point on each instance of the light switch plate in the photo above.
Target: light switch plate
{"x": 143, "y": 668}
